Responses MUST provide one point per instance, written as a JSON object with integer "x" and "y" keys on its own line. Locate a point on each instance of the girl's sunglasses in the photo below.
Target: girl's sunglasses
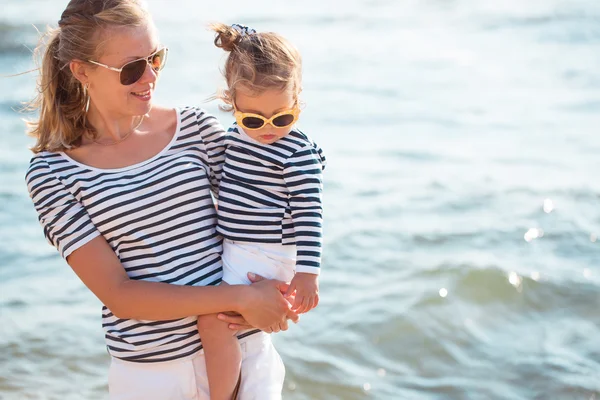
{"x": 255, "y": 121}
{"x": 132, "y": 72}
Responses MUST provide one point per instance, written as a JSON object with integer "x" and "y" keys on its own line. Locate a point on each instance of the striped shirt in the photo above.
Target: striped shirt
{"x": 157, "y": 215}
{"x": 271, "y": 193}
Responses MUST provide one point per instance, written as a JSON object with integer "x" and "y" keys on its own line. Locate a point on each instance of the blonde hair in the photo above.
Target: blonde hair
{"x": 257, "y": 61}
{"x": 61, "y": 98}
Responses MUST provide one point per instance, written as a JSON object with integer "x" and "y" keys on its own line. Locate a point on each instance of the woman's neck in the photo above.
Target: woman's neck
{"x": 112, "y": 129}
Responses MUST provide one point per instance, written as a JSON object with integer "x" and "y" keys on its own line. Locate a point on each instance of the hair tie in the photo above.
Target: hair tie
{"x": 243, "y": 30}
{"x": 65, "y": 16}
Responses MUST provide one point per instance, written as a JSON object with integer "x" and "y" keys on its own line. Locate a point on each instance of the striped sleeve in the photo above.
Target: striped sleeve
{"x": 303, "y": 177}
{"x": 213, "y": 137}
{"x": 67, "y": 225}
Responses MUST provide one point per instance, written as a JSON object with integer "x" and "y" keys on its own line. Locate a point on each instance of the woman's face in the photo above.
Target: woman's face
{"x": 119, "y": 46}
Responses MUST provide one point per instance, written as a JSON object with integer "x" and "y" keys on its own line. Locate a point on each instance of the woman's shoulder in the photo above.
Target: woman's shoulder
{"x": 170, "y": 116}
{"x": 40, "y": 175}
{"x": 40, "y": 164}
{"x": 196, "y": 125}
{"x": 186, "y": 115}
{"x": 166, "y": 116}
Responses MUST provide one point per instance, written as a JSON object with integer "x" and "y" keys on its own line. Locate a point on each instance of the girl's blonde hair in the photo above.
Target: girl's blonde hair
{"x": 61, "y": 98}
{"x": 257, "y": 61}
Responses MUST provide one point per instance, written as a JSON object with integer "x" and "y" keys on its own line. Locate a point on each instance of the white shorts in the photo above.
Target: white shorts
{"x": 273, "y": 261}
{"x": 262, "y": 375}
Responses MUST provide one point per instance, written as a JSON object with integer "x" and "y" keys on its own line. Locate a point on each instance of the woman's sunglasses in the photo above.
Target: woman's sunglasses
{"x": 133, "y": 71}
{"x": 253, "y": 122}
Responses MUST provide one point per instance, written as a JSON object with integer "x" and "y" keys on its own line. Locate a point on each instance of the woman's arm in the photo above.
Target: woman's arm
{"x": 98, "y": 267}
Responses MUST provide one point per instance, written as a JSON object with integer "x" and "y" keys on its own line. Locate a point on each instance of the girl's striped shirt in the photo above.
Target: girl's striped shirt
{"x": 157, "y": 215}
{"x": 271, "y": 193}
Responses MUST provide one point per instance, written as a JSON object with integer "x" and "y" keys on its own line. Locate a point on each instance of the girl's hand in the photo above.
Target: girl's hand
{"x": 306, "y": 288}
{"x": 263, "y": 305}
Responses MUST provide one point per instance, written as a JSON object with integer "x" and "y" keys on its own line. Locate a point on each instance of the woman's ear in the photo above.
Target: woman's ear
{"x": 79, "y": 69}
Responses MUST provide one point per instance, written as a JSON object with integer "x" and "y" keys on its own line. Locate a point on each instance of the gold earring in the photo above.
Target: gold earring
{"x": 85, "y": 91}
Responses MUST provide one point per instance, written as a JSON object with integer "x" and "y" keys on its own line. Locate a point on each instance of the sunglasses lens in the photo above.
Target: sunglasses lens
{"x": 253, "y": 122}
{"x": 159, "y": 60}
{"x": 283, "y": 120}
{"x": 132, "y": 72}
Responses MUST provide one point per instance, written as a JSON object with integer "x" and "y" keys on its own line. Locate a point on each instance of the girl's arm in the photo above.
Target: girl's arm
{"x": 98, "y": 267}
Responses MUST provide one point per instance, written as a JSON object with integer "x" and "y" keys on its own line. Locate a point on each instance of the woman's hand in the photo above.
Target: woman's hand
{"x": 264, "y": 306}
{"x": 235, "y": 321}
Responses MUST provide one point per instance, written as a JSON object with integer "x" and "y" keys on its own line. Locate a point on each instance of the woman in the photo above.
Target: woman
{"x": 123, "y": 190}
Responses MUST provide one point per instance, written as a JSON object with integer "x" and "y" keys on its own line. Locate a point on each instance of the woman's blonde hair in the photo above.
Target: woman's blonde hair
{"x": 257, "y": 61}
{"x": 61, "y": 98}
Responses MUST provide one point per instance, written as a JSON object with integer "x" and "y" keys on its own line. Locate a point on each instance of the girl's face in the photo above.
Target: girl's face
{"x": 119, "y": 46}
{"x": 266, "y": 104}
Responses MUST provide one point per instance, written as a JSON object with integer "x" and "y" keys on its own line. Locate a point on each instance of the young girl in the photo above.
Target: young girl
{"x": 269, "y": 205}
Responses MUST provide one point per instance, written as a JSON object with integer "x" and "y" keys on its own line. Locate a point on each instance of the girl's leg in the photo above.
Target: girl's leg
{"x": 263, "y": 371}
{"x": 222, "y": 354}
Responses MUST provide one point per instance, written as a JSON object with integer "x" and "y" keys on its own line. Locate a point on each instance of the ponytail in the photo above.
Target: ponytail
{"x": 60, "y": 100}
